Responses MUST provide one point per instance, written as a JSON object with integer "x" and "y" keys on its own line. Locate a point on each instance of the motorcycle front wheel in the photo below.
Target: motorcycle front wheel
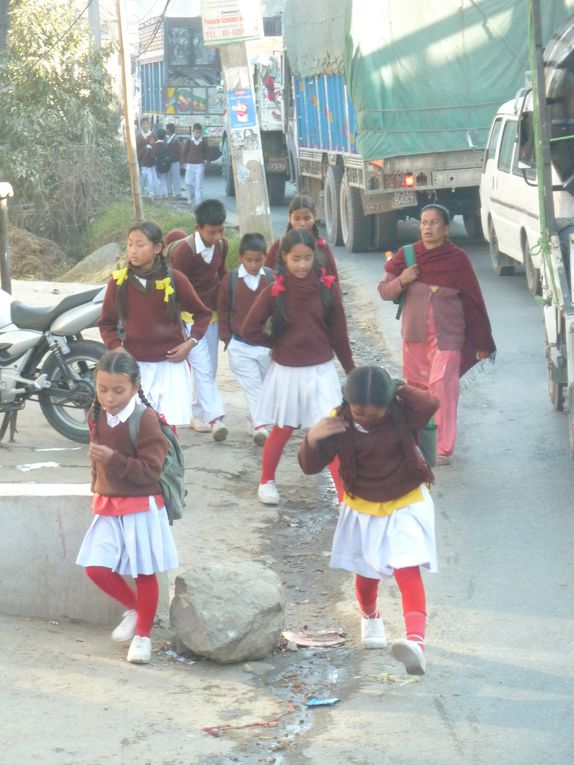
{"x": 66, "y": 408}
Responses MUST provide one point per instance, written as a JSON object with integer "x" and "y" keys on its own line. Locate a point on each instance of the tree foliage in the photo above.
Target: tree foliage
{"x": 60, "y": 118}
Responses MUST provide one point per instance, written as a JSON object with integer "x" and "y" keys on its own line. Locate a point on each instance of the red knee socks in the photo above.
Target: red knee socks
{"x": 273, "y": 450}
{"x": 412, "y": 590}
{"x": 366, "y": 591}
{"x": 143, "y": 601}
{"x": 147, "y": 597}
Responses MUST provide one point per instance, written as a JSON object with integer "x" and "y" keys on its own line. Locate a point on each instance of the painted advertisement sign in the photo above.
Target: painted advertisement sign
{"x": 229, "y": 21}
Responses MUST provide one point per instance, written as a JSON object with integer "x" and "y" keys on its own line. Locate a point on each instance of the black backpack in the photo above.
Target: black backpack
{"x": 163, "y": 159}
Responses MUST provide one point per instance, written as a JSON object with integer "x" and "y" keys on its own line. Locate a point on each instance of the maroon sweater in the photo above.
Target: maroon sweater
{"x": 230, "y": 322}
{"x": 149, "y": 334}
{"x": 324, "y": 254}
{"x": 307, "y": 339}
{"x": 195, "y": 154}
{"x": 175, "y": 148}
{"x": 205, "y": 277}
{"x": 375, "y": 459}
{"x": 130, "y": 472}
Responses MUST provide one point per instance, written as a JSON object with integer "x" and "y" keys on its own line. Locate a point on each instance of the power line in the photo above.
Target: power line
{"x": 68, "y": 30}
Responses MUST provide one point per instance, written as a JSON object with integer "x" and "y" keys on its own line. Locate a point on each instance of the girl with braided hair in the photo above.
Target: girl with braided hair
{"x": 301, "y": 318}
{"x": 130, "y": 534}
{"x": 141, "y": 312}
{"x": 386, "y": 522}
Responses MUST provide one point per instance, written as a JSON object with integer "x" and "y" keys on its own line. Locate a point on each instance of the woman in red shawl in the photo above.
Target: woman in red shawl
{"x": 445, "y": 327}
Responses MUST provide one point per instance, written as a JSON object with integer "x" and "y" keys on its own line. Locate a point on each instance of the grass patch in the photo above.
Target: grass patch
{"x": 113, "y": 224}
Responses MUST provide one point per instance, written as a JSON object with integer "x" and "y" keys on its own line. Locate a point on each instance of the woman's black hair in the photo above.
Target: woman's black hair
{"x": 369, "y": 385}
{"x": 115, "y": 363}
{"x": 445, "y": 214}
{"x": 279, "y": 318}
{"x": 153, "y": 232}
{"x": 304, "y": 202}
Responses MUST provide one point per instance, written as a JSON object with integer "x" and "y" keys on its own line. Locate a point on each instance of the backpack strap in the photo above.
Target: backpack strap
{"x": 410, "y": 260}
{"x": 134, "y": 421}
{"x": 268, "y": 273}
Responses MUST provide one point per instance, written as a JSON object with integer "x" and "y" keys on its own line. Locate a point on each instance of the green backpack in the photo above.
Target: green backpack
{"x": 172, "y": 476}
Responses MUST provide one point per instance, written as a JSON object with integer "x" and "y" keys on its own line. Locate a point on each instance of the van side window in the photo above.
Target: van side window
{"x": 507, "y": 147}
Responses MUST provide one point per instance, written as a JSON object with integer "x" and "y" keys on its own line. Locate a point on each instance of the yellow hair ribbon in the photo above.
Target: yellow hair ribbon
{"x": 186, "y": 316}
{"x": 120, "y": 276}
{"x": 165, "y": 285}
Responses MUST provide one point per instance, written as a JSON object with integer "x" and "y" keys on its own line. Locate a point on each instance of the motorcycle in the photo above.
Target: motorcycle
{"x": 44, "y": 358}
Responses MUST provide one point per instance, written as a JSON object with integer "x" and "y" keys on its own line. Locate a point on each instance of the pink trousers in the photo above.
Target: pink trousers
{"x": 426, "y": 366}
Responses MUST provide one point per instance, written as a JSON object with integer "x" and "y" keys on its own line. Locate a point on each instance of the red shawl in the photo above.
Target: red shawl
{"x": 449, "y": 266}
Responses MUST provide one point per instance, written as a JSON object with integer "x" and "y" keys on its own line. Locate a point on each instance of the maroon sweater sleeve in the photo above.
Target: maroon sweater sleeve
{"x": 109, "y": 317}
{"x": 224, "y": 310}
{"x": 418, "y": 405}
{"x": 326, "y": 254}
{"x": 313, "y": 459}
{"x": 190, "y": 301}
{"x": 272, "y": 257}
{"x": 338, "y": 332}
{"x": 253, "y": 327}
{"x": 151, "y": 447}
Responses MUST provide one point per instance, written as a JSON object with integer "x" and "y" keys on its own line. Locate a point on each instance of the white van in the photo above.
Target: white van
{"x": 509, "y": 195}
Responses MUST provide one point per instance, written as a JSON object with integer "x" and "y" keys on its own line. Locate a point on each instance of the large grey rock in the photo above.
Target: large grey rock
{"x": 228, "y": 612}
{"x": 95, "y": 267}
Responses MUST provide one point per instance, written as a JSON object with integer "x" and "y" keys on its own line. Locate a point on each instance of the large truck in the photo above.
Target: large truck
{"x": 390, "y": 107}
{"x": 266, "y": 66}
{"x": 180, "y": 78}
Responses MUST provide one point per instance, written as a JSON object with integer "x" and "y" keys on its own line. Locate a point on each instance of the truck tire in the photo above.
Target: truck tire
{"x": 473, "y": 225}
{"x": 276, "y": 188}
{"x": 355, "y": 226}
{"x": 500, "y": 263}
{"x": 384, "y": 231}
{"x": 333, "y": 179}
{"x": 227, "y": 166}
{"x": 556, "y": 390}
{"x": 532, "y": 273}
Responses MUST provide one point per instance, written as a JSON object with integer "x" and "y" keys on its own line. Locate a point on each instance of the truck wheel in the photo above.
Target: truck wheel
{"x": 227, "y": 165}
{"x": 333, "y": 179}
{"x": 473, "y": 225}
{"x": 500, "y": 262}
{"x": 384, "y": 231}
{"x": 556, "y": 390}
{"x": 276, "y": 188}
{"x": 532, "y": 273}
{"x": 355, "y": 226}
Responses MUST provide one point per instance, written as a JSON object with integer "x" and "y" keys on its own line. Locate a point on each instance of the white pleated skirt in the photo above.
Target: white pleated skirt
{"x": 137, "y": 543}
{"x": 298, "y": 396}
{"x": 169, "y": 389}
{"x": 374, "y": 546}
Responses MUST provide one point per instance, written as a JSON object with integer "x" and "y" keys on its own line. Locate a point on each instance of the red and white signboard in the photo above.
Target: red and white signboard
{"x": 229, "y": 21}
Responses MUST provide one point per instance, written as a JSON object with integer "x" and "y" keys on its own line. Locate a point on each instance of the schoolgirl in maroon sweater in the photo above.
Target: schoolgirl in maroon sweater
{"x": 301, "y": 318}
{"x": 130, "y": 533}
{"x": 141, "y": 312}
{"x": 386, "y": 520}
{"x": 302, "y": 214}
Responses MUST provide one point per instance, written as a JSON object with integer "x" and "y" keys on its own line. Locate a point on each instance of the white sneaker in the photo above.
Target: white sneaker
{"x": 219, "y": 430}
{"x": 126, "y": 629}
{"x": 267, "y": 493}
{"x": 373, "y": 633}
{"x": 200, "y": 426}
{"x": 260, "y": 436}
{"x": 140, "y": 650}
{"x": 411, "y": 655}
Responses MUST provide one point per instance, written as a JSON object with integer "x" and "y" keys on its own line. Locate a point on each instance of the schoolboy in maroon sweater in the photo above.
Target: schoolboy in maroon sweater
{"x": 201, "y": 257}
{"x": 238, "y": 291}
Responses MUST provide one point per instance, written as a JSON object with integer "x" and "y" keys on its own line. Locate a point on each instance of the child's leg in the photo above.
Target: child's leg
{"x": 412, "y": 590}
{"x": 243, "y": 363}
{"x": 113, "y": 585}
{"x": 208, "y": 405}
{"x": 366, "y": 591}
{"x": 199, "y": 184}
{"x": 147, "y": 599}
{"x": 273, "y": 450}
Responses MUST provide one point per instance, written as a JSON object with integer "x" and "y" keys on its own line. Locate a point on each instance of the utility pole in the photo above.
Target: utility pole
{"x": 125, "y": 69}
{"x": 5, "y": 192}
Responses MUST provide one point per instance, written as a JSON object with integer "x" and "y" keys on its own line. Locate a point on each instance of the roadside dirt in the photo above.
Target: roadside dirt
{"x": 71, "y": 684}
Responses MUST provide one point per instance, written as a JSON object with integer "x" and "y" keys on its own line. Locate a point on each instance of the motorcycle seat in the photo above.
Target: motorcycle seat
{"x": 40, "y": 317}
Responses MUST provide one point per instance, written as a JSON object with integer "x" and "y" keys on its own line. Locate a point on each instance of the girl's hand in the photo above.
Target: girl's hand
{"x": 100, "y": 453}
{"x": 180, "y": 352}
{"x": 410, "y": 274}
{"x": 328, "y": 426}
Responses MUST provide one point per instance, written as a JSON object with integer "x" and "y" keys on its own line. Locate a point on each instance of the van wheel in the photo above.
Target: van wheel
{"x": 532, "y": 273}
{"x": 500, "y": 262}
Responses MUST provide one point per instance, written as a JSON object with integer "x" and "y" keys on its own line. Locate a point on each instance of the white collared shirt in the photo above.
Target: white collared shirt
{"x": 123, "y": 414}
{"x": 205, "y": 252}
{"x": 251, "y": 280}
